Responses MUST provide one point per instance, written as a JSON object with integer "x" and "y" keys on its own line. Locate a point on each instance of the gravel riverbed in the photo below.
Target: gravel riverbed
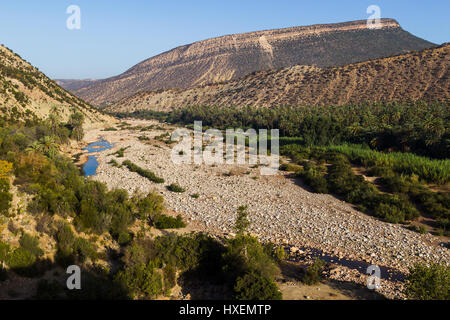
{"x": 281, "y": 210}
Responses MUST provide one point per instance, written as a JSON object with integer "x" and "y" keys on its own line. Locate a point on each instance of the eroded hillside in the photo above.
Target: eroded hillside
{"x": 413, "y": 76}
{"x": 234, "y": 56}
{"x": 26, "y": 92}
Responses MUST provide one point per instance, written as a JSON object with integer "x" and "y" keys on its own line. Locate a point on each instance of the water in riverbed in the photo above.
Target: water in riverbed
{"x": 90, "y": 167}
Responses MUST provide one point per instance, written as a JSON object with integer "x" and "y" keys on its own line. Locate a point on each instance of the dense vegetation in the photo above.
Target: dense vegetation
{"x": 86, "y": 221}
{"x": 417, "y": 127}
{"x": 392, "y": 141}
{"x": 429, "y": 282}
{"x": 405, "y": 196}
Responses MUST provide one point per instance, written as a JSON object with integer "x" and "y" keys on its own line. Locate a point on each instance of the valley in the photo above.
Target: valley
{"x": 359, "y": 118}
{"x": 281, "y": 209}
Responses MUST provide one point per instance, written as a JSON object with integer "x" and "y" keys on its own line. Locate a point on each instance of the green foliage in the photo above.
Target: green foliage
{"x": 5, "y": 197}
{"x": 429, "y": 282}
{"x": 76, "y": 122}
{"x": 150, "y": 205}
{"x": 176, "y": 188}
{"x": 170, "y": 278}
{"x": 313, "y": 273}
{"x": 141, "y": 281}
{"x": 161, "y": 221}
{"x": 21, "y": 261}
{"x": 418, "y": 127}
{"x": 142, "y": 172}
{"x": 242, "y": 222}
{"x": 31, "y": 244}
{"x": 71, "y": 249}
{"x": 253, "y": 286}
{"x": 121, "y": 152}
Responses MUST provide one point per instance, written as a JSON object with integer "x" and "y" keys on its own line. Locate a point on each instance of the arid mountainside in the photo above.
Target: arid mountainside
{"x": 26, "y": 92}
{"x": 234, "y": 56}
{"x": 421, "y": 75}
{"x": 74, "y": 84}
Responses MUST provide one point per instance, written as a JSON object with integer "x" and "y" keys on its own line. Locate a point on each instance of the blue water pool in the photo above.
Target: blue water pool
{"x": 90, "y": 167}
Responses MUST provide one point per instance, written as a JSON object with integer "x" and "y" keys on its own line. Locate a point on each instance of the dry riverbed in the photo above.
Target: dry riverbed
{"x": 281, "y": 210}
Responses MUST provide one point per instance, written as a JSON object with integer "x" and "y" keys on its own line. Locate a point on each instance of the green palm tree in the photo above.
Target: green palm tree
{"x": 47, "y": 146}
{"x": 54, "y": 119}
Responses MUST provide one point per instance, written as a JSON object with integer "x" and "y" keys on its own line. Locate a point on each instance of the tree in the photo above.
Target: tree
{"x": 46, "y": 145}
{"x": 242, "y": 222}
{"x": 54, "y": 119}
{"x": 49, "y": 146}
{"x": 76, "y": 121}
{"x": 253, "y": 286}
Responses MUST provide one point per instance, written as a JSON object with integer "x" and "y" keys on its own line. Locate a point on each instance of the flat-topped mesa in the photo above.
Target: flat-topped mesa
{"x": 257, "y": 39}
{"x": 234, "y": 56}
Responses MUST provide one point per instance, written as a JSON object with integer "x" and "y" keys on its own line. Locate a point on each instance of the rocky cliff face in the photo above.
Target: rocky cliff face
{"x": 421, "y": 75}
{"x": 26, "y": 93}
{"x": 234, "y": 56}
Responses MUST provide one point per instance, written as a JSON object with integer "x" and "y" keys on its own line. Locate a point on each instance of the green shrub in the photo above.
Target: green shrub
{"x": 161, "y": 221}
{"x": 142, "y": 172}
{"x": 316, "y": 180}
{"x": 150, "y": 205}
{"x": 253, "y": 286}
{"x": 170, "y": 274}
{"x": 5, "y": 197}
{"x": 31, "y": 244}
{"x": 85, "y": 250}
{"x": 175, "y": 188}
{"x": 141, "y": 281}
{"x": 429, "y": 282}
{"x": 313, "y": 273}
{"x": 21, "y": 261}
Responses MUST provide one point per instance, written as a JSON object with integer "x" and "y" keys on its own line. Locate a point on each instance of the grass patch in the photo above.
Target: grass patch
{"x": 175, "y": 188}
{"x": 142, "y": 172}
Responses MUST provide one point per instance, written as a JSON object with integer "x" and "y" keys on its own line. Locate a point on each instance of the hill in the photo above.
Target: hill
{"x": 414, "y": 76}
{"x": 25, "y": 92}
{"x": 234, "y": 56}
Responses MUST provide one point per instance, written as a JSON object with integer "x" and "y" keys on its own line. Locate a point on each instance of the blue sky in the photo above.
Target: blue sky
{"x": 115, "y": 35}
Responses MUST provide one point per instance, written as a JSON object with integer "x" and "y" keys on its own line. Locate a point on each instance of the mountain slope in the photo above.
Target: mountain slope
{"x": 421, "y": 75}
{"x": 234, "y": 56}
{"x": 25, "y": 92}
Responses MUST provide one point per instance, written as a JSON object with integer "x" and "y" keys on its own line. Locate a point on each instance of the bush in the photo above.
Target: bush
{"x": 141, "y": 281}
{"x": 31, "y": 244}
{"x": 429, "y": 282}
{"x": 315, "y": 179}
{"x": 176, "y": 188}
{"x": 161, "y": 221}
{"x": 253, "y": 286}
{"x": 170, "y": 274}
{"x": 21, "y": 261}
{"x": 5, "y": 197}
{"x": 142, "y": 172}
{"x": 313, "y": 273}
{"x": 150, "y": 205}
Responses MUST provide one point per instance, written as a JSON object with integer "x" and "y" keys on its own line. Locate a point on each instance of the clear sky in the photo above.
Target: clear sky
{"x": 117, "y": 34}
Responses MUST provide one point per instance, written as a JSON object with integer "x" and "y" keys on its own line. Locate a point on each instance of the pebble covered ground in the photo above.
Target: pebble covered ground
{"x": 281, "y": 211}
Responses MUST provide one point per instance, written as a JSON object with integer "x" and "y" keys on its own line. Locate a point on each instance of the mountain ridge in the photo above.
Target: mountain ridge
{"x": 234, "y": 56}
{"x": 418, "y": 75}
